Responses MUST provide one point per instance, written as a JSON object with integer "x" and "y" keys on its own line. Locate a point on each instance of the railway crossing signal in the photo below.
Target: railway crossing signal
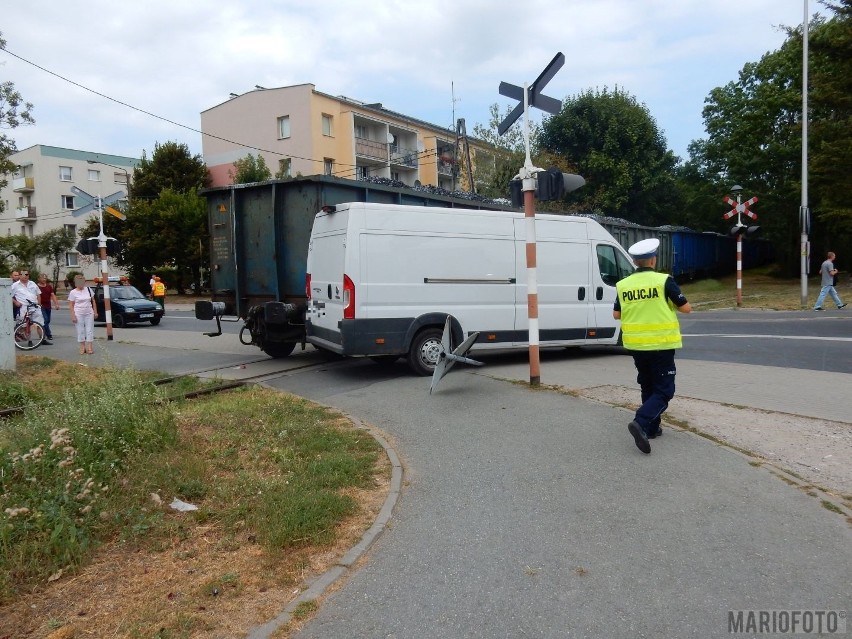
{"x": 739, "y": 230}
{"x": 533, "y": 94}
{"x": 101, "y": 244}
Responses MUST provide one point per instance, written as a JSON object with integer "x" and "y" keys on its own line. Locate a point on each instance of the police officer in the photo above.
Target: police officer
{"x": 645, "y": 303}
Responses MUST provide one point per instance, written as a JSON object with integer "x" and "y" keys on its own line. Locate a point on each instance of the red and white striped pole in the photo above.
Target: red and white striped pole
{"x": 528, "y": 177}
{"x": 532, "y": 281}
{"x": 739, "y": 268}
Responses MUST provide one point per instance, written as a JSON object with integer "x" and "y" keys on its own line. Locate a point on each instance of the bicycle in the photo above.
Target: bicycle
{"x": 29, "y": 334}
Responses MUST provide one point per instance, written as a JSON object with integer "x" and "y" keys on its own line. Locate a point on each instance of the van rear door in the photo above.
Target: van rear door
{"x": 324, "y": 280}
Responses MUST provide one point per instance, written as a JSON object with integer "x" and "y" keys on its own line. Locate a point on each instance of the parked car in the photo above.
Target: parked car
{"x": 128, "y": 305}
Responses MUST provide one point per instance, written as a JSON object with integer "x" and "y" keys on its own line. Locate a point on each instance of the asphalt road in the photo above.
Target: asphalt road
{"x": 787, "y": 339}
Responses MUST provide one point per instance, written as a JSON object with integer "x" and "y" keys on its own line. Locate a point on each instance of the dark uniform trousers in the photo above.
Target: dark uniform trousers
{"x": 656, "y": 378}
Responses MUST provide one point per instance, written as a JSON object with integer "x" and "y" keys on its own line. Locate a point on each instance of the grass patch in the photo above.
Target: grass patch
{"x": 94, "y": 463}
{"x": 761, "y": 288}
{"x": 305, "y": 610}
{"x": 829, "y": 506}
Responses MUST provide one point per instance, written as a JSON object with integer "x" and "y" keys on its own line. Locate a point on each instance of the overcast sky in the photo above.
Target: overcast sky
{"x": 175, "y": 59}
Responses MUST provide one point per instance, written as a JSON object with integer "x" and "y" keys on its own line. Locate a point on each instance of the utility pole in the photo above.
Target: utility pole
{"x": 804, "y": 212}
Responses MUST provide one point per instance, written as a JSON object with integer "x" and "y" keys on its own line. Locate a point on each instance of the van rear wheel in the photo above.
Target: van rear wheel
{"x": 425, "y": 351}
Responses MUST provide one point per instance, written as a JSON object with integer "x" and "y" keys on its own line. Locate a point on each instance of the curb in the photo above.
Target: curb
{"x": 343, "y": 565}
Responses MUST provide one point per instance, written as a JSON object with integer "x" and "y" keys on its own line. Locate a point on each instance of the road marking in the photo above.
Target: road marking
{"x": 802, "y": 337}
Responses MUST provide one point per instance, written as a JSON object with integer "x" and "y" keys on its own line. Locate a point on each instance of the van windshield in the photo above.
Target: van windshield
{"x": 612, "y": 264}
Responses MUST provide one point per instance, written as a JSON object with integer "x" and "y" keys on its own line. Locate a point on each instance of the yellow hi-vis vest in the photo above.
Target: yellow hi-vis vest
{"x": 159, "y": 289}
{"x": 648, "y": 319}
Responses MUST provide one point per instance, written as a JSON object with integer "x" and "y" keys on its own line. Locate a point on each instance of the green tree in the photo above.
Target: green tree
{"x": 14, "y": 112}
{"x": 250, "y": 169}
{"x": 830, "y": 129}
{"x": 754, "y": 136}
{"x": 171, "y": 167}
{"x": 52, "y": 245}
{"x": 618, "y": 148}
{"x": 166, "y": 232}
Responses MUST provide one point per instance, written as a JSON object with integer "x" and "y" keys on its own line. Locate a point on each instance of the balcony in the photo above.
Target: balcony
{"x": 23, "y": 185}
{"x": 446, "y": 167}
{"x": 25, "y": 212}
{"x": 371, "y": 149}
{"x": 403, "y": 157}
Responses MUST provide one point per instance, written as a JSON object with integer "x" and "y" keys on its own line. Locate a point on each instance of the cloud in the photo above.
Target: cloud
{"x": 431, "y": 59}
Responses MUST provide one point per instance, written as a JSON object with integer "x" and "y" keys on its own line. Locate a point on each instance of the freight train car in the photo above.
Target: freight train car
{"x": 688, "y": 254}
{"x": 259, "y": 237}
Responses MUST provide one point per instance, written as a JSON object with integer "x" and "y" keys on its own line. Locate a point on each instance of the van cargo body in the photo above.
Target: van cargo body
{"x": 382, "y": 279}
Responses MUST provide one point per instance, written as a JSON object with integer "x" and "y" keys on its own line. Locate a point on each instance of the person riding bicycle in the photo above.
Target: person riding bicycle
{"x": 25, "y": 292}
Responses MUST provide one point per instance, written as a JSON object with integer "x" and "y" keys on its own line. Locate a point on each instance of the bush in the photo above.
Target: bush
{"x": 58, "y": 467}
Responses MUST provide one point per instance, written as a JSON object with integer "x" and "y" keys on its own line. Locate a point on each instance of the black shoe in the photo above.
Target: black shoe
{"x": 639, "y": 437}
{"x": 656, "y": 433}
{"x": 46, "y": 342}
{"x": 819, "y": 308}
{"x": 841, "y": 306}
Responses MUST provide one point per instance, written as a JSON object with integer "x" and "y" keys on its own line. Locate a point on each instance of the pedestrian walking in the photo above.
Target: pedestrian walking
{"x": 48, "y": 301}
{"x": 645, "y": 303}
{"x": 81, "y": 302}
{"x": 24, "y": 293}
{"x": 828, "y": 273}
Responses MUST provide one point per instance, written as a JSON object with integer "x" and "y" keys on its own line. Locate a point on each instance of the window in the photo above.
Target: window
{"x": 71, "y": 229}
{"x": 326, "y": 125}
{"x": 67, "y": 201}
{"x": 94, "y": 175}
{"x": 119, "y": 178}
{"x": 283, "y": 127}
{"x": 71, "y": 259}
{"x": 65, "y": 173}
{"x": 285, "y": 168}
{"x": 362, "y": 132}
{"x": 361, "y": 172}
{"x": 328, "y": 166}
{"x": 395, "y": 176}
{"x": 612, "y": 264}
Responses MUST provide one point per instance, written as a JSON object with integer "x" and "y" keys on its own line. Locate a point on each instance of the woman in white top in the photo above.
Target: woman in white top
{"x": 83, "y": 314}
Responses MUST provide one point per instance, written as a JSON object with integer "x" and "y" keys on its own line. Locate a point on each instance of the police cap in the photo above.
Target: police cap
{"x": 644, "y": 249}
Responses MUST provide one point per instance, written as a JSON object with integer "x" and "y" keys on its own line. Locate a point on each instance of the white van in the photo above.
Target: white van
{"x": 382, "y": 278}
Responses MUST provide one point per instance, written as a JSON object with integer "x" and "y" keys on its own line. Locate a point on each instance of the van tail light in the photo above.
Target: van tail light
{"x": 308, "y": 286}
{"x": 348, "y": 298}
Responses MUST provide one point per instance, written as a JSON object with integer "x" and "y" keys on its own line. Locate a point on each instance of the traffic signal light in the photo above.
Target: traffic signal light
{"x": 745, "y": 231}
{"x": 89, "y": 246}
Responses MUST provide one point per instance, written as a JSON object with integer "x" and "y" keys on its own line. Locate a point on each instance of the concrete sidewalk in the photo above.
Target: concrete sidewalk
{"x": 532, "y": 514}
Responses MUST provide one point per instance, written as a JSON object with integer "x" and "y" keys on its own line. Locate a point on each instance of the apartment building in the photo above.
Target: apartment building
{"x": 38, "y": 197}
{"x": 299, "y": 130}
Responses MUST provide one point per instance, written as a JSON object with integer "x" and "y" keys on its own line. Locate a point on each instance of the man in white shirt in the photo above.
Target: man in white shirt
{"x": 24, "y": 292}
